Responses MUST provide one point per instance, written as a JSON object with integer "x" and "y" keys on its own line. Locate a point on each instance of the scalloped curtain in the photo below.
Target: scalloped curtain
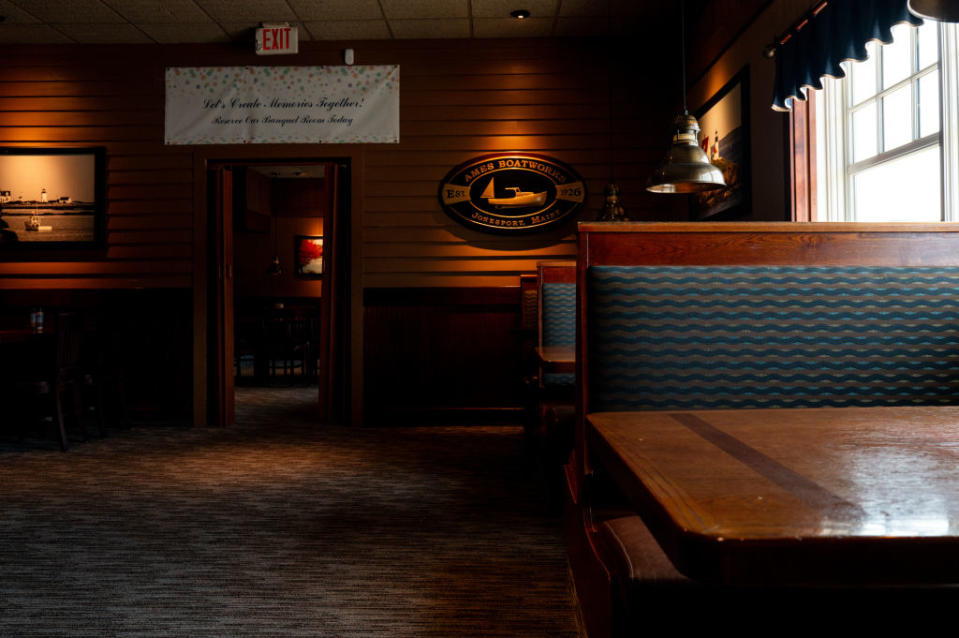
{"x": 839, "y": 32}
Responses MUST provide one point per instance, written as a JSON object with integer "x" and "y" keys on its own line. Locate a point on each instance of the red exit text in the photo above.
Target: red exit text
{"x": 276, "y": 40}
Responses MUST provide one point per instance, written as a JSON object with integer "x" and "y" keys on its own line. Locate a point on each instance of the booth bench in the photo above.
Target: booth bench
{"x": 697, "y": 345}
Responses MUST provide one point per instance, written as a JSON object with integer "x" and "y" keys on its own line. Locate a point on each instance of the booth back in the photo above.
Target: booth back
{"x": 733, "y": 315}
{"x": 728, "y": 337}
{"x": 557, "y": 293}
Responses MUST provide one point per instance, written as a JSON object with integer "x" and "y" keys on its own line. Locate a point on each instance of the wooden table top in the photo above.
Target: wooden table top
{"x": 793, "y": 496}
{"x": 557, "y": 358}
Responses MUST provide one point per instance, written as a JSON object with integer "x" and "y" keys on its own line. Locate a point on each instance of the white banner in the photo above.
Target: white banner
{"x": 283, "y": 105}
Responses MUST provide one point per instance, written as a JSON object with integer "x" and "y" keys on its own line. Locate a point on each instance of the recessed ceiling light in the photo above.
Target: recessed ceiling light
{"x": 520, "y": 14}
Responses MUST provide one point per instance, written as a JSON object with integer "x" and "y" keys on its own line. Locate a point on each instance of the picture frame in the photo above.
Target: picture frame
{"x": 308, "y": 253}
{"x": 724, "y": 136}
{"x": 52, "y": 197}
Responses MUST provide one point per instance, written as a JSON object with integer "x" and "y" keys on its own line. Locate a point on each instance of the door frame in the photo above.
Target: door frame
{"x": 340, "y": 335}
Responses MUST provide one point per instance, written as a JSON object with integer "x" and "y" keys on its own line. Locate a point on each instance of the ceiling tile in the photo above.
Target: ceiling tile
{"x": 60, "y": 12}
{"x": 223, "y": 20}
{"x": 401, "y": 9}
{"x": 158, "y": 11}
{"x": 448, "y": 28}
{"x": 337, "y": 9}
{"x": 583, "y": 7}
{"x": 248, "y": 10}
{"x": 581, "y": 26}
{"x": 502, "y": 8}
{"x": 512, "y": 28}
{"x": 104, "y": 33}
{"x": 31, "y": 34}
{"x": 350, "y": 30}
{"x": 189, "y": 32}
{"x": 15, "y": 15}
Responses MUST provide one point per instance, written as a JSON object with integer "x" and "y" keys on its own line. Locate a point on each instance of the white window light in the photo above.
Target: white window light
{"x": 888, "y": 133}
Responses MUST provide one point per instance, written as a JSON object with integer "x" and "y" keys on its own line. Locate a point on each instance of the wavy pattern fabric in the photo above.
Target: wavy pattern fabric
{"x": 837, "y": 33}
{"x": 559, "y": 326}
{"x": 559, "y": 314}
{"x": 692, "y": 337}
{"x": 559, "y": 380}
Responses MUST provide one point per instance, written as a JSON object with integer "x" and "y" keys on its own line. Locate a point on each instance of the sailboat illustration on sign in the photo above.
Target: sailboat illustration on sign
{"x": 519, "y": 198}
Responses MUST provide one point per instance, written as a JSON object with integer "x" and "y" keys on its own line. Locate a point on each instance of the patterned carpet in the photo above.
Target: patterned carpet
{"x": 278, "y": 527}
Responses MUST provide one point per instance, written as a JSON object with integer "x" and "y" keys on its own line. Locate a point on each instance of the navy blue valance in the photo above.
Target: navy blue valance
{"x": 838, "y": 32}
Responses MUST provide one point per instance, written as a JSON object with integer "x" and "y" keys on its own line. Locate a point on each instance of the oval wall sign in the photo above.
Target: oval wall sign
{"x": 513, "y": 192}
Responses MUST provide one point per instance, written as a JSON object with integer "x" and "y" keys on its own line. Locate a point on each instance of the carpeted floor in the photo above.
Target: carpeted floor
{"x": 278, "y": 527}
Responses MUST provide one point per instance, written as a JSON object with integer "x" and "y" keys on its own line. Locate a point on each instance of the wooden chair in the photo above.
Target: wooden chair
{"x": 287, "y": 345}
{"x": 55, "y": 382}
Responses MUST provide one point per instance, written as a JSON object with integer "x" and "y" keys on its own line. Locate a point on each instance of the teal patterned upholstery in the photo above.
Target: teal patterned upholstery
{"x": 559, "y": 325}
{"x": 694, "y": 337}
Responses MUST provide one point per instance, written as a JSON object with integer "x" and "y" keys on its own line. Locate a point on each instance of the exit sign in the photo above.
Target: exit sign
{"x": 276, "y": 40}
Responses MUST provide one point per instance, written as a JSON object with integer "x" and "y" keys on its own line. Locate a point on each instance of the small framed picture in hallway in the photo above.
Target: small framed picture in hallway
{"x": 309, "y": 256}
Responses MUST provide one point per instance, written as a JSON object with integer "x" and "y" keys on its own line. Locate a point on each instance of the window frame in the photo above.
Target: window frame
{"x": 833, "y": 140}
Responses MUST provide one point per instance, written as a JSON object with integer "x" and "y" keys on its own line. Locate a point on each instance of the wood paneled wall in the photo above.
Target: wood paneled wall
{"x": 269, "y": 214}
{"x": 458, "y": 99}
{"x": 755, "y": 23}
{"x": 589, "y": 103}
{"x": 78, "y": 96}
{"x": 463, "y": 99}
{"x": 443, "y": 312}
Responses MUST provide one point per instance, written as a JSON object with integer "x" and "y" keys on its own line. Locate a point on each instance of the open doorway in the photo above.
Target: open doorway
{"x": 277, "y": 253}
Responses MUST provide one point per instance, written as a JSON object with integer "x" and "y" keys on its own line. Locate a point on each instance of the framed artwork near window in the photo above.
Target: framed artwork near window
{"x": 308, "y": 250}
{"x": 724, "y": 136}
{"x": 52, "y": 197}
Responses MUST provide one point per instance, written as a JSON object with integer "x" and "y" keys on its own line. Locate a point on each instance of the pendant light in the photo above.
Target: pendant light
{"x": 686, "y": 168}
{"x": 941, "y": 10}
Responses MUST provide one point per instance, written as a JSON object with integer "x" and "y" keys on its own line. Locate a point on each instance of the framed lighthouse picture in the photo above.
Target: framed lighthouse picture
{"x": 724, "y": 136}
{"x": 52, "y": 197}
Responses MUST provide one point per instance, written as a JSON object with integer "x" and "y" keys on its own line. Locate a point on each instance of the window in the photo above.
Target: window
{"x": 886, "y": 133}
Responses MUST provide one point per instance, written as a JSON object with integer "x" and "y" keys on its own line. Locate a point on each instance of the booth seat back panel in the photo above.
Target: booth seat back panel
{"x": 559, "y": 325}
{"x": 559, "y": 314}
{"x": 697, "y": 337}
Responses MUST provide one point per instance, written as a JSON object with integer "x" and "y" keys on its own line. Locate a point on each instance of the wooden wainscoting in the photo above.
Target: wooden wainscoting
{"x": 141, "y": 339}
{"x": 443, "y": 355}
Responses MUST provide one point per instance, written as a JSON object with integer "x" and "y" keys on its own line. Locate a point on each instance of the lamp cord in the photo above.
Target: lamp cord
{"x": 609, "y": 90}
{"x": 682, "y": 40}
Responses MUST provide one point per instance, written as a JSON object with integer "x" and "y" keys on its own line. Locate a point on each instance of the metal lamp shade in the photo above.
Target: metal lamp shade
{"x": 941, "y": 10}
{"x": 686, "y": 169}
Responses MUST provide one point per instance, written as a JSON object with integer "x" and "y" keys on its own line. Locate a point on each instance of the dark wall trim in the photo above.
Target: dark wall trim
{"x": 492, "y": 296}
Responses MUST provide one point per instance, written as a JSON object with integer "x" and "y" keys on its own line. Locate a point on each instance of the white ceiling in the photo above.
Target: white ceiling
{"x": 175, "y": 21}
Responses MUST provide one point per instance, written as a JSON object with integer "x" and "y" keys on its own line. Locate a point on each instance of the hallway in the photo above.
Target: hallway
{"x": 279, "y": 528}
